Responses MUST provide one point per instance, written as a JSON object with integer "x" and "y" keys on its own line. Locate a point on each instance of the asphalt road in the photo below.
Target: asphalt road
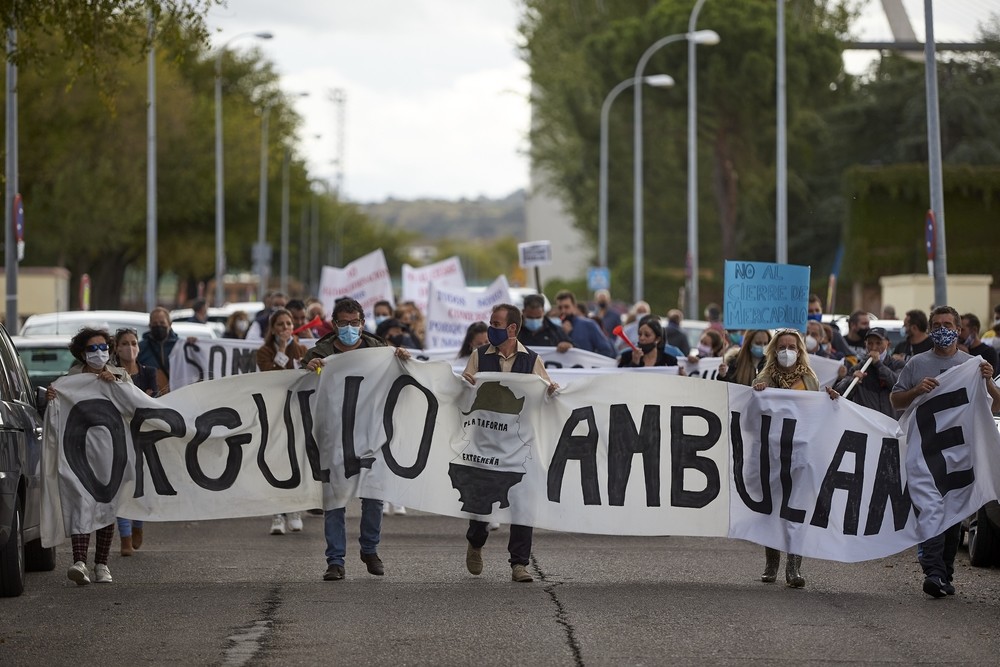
{"x": 227, "y": 593}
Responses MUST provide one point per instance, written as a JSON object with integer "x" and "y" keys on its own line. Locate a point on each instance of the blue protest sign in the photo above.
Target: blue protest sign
{"x": 598, "y": 277}
{"x": 760, "y": 295}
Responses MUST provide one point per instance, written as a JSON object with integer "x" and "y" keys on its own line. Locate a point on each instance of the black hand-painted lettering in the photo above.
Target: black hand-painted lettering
{"x": 228, "y": 418}
{"x": 933, "y": 443}
{"x": 144, "y": 444}
{"x": 684, "y": 448}
{"x": 624, "y": 442}
{"x": 83, "y": 416}
{"x": 582, "y": 448}
{"x": 851, "y": 442}
{"x": 312, "y": 449}
{"x": 217, "y": 360}
{"x": 765, "y": 505}
{"x": 788, "y": 512}
{"x": 888, "y": 486}
{"x": 293, "y": 461}
{"x": 352, "y": 464}
{"x": 430, "y": 417}
{"x": 191, "y": 357}
{"x": 243, "y": 361}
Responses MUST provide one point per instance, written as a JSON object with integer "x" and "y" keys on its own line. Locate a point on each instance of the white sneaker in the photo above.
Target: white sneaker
{"x": 278, "y": 525}
{"x": 78, "y": 572}
{"x": 494, "y": 525}
{"x": 294, "y": 521}
{"x": 102, "y": 574}
{"x": 398, "y": 510}
{"x": 386, "y": 509}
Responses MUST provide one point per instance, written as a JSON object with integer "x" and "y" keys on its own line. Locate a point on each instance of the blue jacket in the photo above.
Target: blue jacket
{"x": 156, "y": 354}
{"x": 588, "y": 336}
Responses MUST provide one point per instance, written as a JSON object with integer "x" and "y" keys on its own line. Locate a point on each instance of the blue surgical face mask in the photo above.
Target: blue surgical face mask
{"x": 815, "y": 317}
{"x": 555, "y": 321}
{"x": 379, "y": 319}
{"x": 349, "y": 335}
{"x": 497, "y": 336}
{"x": 533, "y": 323}
{"x": 757, "y": 351}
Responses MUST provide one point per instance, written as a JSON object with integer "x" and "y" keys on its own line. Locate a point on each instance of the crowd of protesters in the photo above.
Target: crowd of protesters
{"x": 870, "y": 374}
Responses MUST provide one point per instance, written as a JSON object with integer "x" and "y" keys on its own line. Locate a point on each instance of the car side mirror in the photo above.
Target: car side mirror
{"x": 41, "y": 399}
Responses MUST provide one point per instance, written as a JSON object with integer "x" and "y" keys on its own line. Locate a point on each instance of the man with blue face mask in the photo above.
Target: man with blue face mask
{"x": 918, "y": 377}
{"x": 876, "y": 382}
{"x": 538, "y": 330}
{"x": 504, "y": 354}
{"x": 349, "y": 334}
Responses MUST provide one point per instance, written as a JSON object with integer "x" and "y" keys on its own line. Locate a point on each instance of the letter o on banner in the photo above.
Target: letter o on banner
{"x": 85, "y": 415}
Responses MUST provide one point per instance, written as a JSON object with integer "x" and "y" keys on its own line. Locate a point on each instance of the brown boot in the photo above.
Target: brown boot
{"x": 127, "y": 549}
{"x": 136, "y": 537}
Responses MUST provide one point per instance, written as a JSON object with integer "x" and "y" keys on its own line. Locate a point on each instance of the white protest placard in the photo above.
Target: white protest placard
{"x": 365, "y": 280}
{"x": 534, "y": 253}
{"x": 826, "y": 370}
{"x": 417, "y": 280}
{"x": 451, "y": 310}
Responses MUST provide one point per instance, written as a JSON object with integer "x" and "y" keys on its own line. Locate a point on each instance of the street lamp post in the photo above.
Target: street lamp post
{"x": 656, "y": 80}
{"x": 701, "y": 37}
{"x": 262, "y": 251}
{"x": 220, "y": 200}
{"x": 693, "y": 165}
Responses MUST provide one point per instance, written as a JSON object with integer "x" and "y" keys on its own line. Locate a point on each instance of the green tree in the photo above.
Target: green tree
{"x": 577, "y": 54}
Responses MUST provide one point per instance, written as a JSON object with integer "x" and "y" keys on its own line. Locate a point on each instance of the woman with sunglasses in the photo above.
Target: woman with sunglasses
{"x": 281, "y": 351}
{"x": 786, "y": 366}
{"x": 126, "y": 355}
{"x": 91, "y": 348}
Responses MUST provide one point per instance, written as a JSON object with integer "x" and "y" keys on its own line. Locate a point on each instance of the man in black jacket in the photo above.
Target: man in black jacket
{"x": 537, "y": 330}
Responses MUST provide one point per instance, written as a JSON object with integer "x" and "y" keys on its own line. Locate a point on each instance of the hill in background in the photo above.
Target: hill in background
{"x": 467, "y": 219}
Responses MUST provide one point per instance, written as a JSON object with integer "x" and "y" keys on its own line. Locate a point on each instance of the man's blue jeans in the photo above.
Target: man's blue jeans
{"x": 335, "y": 530}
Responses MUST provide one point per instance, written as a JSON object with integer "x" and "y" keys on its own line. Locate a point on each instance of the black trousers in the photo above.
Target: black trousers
{"x": 519, "y": 544}
{"x": 937, "y": 555}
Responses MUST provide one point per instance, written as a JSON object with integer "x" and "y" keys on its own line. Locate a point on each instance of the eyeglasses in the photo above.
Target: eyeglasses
{"x": 352, "y": 323}
{"x": 125, "y": 330}
{"x": 103, "y": 347}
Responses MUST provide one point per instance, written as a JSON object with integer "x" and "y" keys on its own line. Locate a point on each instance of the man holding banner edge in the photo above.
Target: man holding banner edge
{"x": 349, "y": 334}
{"x": 918, "y": 377}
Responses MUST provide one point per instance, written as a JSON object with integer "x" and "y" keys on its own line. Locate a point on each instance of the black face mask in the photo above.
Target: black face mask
{"x": 397, "y": 340}
{"x": 158, "y": 332}
{"x": 647, "y": 347}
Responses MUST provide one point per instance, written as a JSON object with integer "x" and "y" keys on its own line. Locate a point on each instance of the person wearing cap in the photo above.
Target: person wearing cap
{"x": 876, "y": 382}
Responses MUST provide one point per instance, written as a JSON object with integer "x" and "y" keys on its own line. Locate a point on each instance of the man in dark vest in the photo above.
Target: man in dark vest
{"x": 503, "y": 354}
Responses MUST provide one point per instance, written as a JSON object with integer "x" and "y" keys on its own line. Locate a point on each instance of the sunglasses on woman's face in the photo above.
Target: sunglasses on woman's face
{"x": 103, "y": 347}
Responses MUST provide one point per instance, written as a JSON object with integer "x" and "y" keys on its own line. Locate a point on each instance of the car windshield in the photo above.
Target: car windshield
{"x": 46, "y": 364}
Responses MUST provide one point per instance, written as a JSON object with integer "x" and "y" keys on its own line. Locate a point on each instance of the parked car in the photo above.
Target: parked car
{"x": 67, "y": 323}
{"x": 46, "y": 358}
{"x": 20, "y": 474}
{"x": 983, "y": 531}
{"x": 217, "y": 317}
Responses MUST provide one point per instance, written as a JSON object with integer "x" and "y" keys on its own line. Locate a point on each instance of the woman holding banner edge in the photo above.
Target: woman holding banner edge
{"x": 786, "y": 366}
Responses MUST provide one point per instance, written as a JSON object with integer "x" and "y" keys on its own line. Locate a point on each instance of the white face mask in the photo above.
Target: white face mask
{"x": 787, "y": 358}
{"x": 126, "y": 352}
{"x": 811, "y": 344}
{"x": 98, "y": 359}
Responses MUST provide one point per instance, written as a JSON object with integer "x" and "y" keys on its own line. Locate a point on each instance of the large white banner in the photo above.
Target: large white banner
{"x": 417, "y": 280}
{"x": 642, "y": 453}
{"x": 451, "y": 310}
{"x": 366, "y": 280}
{"x": 212, "y": 358}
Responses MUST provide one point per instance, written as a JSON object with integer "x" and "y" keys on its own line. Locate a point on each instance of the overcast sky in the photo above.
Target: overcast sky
{"x": 436, "y": 93}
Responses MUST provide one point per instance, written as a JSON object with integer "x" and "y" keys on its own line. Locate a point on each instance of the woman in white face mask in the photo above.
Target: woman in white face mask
{"x": 91, "y": 348}
{"x": 786, "y": 366}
